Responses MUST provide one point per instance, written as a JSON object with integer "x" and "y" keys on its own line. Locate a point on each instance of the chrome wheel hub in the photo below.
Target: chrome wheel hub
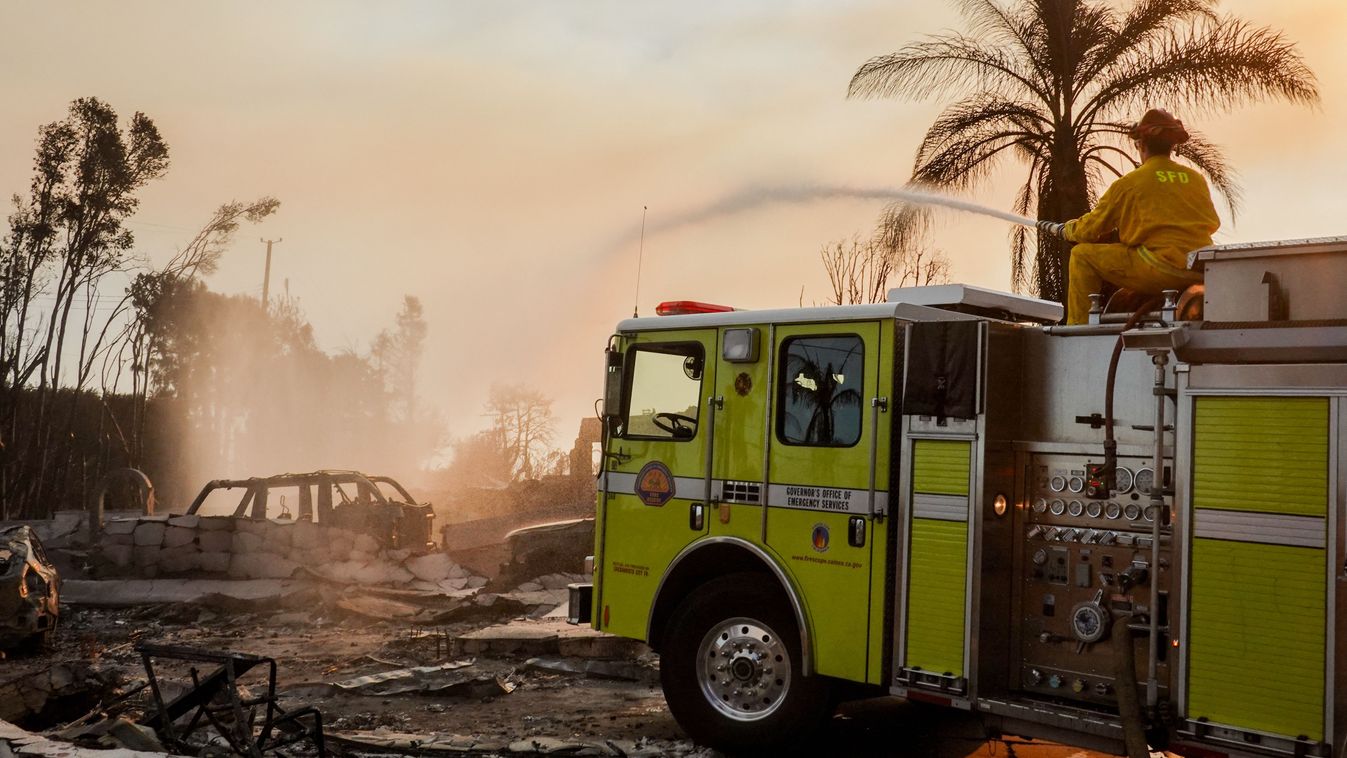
{"x": 743, "y": 669}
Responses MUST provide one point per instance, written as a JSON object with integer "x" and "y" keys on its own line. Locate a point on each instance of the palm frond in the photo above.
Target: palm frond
{"x": 991, "y": 21}
{"x": 902, "y": 226}
{"x": 961, "y": 146}
{"x": 1208, "y": 159}
{"x": 1146, "y": 23}
{"x": 1021, "y": 268}
{"x": 1208, "y": 70}
{"x": 1095, "y": 155}
{"x": 924, "y": 68}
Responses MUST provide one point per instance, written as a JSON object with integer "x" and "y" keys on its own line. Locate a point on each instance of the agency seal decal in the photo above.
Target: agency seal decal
{"x": 655, "y": 484}
{"x": 820, "y": 538}
{"x": 743, "y": 384}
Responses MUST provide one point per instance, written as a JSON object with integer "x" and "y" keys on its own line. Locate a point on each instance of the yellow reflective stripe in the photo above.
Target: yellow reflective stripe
{"x": 1159, "y": 265}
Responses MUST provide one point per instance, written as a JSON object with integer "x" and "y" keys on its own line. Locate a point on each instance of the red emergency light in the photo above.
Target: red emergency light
{"x": 685, "y": 307}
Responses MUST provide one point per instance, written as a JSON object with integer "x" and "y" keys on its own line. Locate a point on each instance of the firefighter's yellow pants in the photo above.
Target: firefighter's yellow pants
{"x": 1136, "y": 269}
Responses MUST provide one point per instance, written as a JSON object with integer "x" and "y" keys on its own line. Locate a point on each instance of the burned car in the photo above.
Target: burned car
{"x": 30, "y": 590}
{"x": 375, "y": 505}
{"x": 550, "y": 548}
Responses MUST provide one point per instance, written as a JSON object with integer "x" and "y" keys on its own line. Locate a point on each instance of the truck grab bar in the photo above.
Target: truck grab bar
{"x": 713, "y": 404}
{"x": 877, "y": 404}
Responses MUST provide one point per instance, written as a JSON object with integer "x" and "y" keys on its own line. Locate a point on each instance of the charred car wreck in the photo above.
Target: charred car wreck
{"x": 30, "y": 590}
{"x": 375, "y": 505}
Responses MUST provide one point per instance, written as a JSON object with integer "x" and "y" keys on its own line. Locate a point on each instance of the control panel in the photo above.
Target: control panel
{"x": 1084, "y": 559}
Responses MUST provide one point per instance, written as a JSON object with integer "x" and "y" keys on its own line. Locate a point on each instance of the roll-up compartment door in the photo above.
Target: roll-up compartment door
{"x": 1258, "y": 595}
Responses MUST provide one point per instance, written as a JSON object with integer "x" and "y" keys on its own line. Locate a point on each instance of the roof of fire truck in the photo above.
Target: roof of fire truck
{"x": 942, "y": 302}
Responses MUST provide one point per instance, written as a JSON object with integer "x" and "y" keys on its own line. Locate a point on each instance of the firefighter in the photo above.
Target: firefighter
{"x": 1161, "y": 211}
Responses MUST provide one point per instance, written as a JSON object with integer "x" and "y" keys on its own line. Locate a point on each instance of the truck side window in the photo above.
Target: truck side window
{"x": 819, "y": 391}
{"x": 663, "y": 400}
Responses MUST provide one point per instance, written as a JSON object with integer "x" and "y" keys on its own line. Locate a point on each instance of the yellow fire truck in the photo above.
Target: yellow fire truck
{"x": 1131, "y": 529}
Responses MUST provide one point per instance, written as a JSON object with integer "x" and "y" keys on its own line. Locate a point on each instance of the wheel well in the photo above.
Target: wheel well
{"x": 697, "y": 568}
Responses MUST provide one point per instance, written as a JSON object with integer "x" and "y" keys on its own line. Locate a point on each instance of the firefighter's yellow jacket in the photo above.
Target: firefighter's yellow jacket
{"x": 1163, "y": 207}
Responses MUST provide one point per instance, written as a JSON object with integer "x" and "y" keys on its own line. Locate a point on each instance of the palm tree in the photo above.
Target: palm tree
{"x": 1056, "y": 83}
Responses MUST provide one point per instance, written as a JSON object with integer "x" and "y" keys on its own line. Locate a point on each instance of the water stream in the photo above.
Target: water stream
{"x": 929, "y": 198}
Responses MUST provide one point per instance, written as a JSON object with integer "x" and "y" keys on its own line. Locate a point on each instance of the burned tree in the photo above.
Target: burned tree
{"x": 861, "y": 271}
{"x": 64, "y": 239}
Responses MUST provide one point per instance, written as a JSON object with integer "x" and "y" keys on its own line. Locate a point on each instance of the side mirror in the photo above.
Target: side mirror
{"x": 612, "y": 390}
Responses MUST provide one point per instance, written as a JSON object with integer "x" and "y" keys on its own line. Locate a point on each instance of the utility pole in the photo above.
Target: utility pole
{"x": 266, "y": 277}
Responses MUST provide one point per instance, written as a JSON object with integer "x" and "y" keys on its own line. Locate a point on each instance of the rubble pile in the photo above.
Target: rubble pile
{"x": 244, "y": 548}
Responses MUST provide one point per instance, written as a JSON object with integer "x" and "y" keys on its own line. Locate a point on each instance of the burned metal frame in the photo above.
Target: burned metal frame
{"x": 217, "y": 695}
{"x": 255, "y": 494}
{"x": 394, "y": 522}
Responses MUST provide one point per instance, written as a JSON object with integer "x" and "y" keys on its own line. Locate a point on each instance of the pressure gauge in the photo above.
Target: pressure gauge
{"x": 1075, "y": 507}
{"x": 1144, "y": 480}
{"x": 1058, "y": 507}
{"x": 1088, "y": 622}
{"x": 1132, "y": 511}
{"x": 1041, "y": 505}
{"x": 1094, "y": 509}
{"x": 1076, "y": 484}
{"x": 1057, "y": 484}
{"x": 1040, "y": 557}
{"x": 1112, "y": 510}
{"x": 1123, "y": 480}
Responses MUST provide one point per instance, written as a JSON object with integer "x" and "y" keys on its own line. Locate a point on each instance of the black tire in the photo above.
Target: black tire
{"x": 742, "y": 624}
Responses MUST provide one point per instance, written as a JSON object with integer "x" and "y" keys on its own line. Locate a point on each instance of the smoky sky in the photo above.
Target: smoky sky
{"x": 493, "y": 159}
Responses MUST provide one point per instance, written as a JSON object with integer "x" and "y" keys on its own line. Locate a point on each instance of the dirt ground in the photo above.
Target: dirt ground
{"x": 512, "y": 705}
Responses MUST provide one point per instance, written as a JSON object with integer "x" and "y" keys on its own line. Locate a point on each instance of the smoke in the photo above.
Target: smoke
{"x": 753, "y": 198}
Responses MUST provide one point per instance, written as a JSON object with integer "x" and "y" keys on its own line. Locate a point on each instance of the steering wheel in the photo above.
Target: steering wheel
{"x": 678, "y": 425}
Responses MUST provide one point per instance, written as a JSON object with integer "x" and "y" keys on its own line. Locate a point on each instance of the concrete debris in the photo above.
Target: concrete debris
{"x": 447, "y": 680}
{"x": 417, "y": 744}
{"x": 455, "y": 744}
{"x": 244, "y": 548}
{"x": 123, "y": 733}
{"x": 19, "y": 742}
{"x": 379, "y": 607}
{"x": 631, "y": 671}
{"x": 133, "y": 592}
{"x": 435, "y": 568}
{"x": 545, "y": 638}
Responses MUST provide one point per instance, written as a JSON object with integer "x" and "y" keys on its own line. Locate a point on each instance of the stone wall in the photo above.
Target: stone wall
{"x": 243, "y": 548}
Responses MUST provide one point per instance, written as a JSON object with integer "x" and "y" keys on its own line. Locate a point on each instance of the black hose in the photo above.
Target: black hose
{"x": 1125, "y": 684}
{"x": 1110, "y": 445}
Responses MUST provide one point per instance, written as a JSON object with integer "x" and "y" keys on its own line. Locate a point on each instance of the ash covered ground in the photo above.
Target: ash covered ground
{"x": 496, "y": 683}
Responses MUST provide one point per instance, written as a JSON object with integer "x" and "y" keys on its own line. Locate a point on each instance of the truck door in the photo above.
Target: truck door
{"x": 742, "y": 418}
{"x": 655, "y": 472}
{"x": 827, "y": 445}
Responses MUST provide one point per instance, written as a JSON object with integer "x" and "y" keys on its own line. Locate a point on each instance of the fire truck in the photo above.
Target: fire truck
{"x": 1125, "y": 531}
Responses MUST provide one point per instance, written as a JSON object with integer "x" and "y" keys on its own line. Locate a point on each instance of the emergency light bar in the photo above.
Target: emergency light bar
{"x": 685, "y": 307}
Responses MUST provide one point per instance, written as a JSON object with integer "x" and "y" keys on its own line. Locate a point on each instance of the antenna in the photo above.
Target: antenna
{"x": 636, "y": 307}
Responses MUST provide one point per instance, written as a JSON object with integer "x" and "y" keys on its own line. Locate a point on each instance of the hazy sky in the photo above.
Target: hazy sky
{"x": 493, "y": 157}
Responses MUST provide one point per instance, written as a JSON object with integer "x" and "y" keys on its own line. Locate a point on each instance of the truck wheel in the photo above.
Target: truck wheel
{"x": 731, "y": 667}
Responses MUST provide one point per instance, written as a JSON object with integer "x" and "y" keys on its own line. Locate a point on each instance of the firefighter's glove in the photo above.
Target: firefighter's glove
{"x": 1051, "y": 228}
